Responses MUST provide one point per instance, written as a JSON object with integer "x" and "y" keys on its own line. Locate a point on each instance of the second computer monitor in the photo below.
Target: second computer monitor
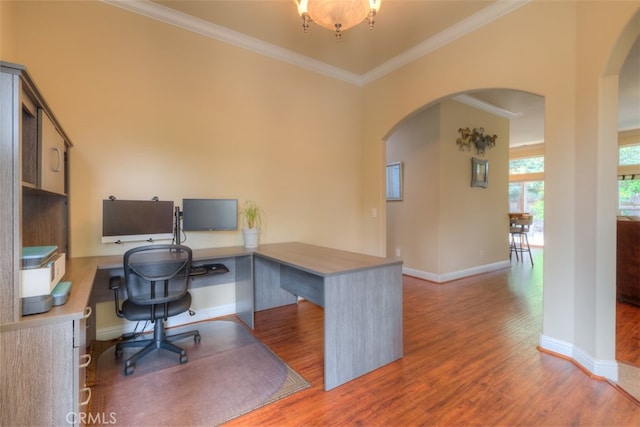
{"x": 209, "y": 214}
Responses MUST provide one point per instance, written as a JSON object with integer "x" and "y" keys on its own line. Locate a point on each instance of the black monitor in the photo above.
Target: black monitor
{"x": 136, "y": 220}
{"x": 209, "y": 214}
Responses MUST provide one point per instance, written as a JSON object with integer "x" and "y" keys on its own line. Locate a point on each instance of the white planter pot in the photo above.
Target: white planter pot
{"x": 251, "y": 237}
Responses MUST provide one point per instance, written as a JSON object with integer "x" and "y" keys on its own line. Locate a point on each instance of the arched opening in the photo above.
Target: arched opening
{"x": 624, "y": 65}
{"x": 443, "y": 226}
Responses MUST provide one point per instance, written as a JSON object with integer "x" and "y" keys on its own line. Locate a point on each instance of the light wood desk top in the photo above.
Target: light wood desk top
{"x": 320, "y": 260}
{"x": 314, "y": 259}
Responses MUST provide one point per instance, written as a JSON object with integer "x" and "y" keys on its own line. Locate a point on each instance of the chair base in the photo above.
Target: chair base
{"x": 159, "y": 341}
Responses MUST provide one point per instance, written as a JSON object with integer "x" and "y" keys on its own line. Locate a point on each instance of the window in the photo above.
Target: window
{"x": 526, "y": 165}
{"x": 629, "y": 155}
{"x": 629, "y": 180}
{"x": 526, "y": 193}
{"x": 528, "y": 196}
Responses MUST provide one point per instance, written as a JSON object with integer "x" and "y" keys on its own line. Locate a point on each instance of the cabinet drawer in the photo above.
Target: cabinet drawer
{"x": 81, "y": 359}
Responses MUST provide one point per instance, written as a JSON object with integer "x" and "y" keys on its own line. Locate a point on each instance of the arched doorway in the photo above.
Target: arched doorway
{"x": 628, "y": 120}
{"x": 436, "y": 228}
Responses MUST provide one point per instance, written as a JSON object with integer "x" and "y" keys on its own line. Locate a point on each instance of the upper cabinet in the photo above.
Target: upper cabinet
{"x": 44, "y": 146}
{"x": 34, "y": 161}
{"x": 29, "y": 133}
{"x": 52, "y": 154}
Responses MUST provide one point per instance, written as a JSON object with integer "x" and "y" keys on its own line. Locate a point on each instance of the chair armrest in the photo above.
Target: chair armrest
{"x": 114, "y": 282}
{"x": 114, "y": 285}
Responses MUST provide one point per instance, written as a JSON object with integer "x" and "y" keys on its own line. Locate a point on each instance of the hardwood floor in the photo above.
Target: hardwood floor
{"x": 470, "y": 359}
{"x": 628, "y": 333}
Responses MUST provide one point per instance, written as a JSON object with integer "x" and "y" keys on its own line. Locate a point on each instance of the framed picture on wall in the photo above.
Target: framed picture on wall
{"x": 394, "y": 181}
{"x": 479, "y": 172}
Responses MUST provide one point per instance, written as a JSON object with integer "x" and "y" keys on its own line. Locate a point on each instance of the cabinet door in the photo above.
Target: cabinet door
{"x": 52, "y": 156}
{"x": 29, "y": 151}
{"x": 37, "y": 375}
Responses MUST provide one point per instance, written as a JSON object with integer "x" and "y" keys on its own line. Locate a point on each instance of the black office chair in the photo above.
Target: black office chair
{"x": 156, "y": 278}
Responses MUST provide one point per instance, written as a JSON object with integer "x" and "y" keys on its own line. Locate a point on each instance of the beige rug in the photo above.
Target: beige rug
{"x": 629, "y": 379}
{"x": 229, "y": 373}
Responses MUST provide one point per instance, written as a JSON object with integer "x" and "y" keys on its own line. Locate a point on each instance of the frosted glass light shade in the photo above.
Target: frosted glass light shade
{"x": 337, "y": 15}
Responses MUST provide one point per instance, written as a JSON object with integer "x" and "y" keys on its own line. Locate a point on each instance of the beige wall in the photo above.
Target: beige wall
{"x": 154, "y": 110}
{"x": 443, "y": 227}
{"x": 157, "y": 110}
{"x": 475, "y": 217}
{"x": 534, "y": 49}
{"x": 412, "y": 224}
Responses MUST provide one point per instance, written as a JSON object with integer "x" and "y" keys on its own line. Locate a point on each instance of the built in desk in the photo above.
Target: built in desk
{"x": 361, "y": 296}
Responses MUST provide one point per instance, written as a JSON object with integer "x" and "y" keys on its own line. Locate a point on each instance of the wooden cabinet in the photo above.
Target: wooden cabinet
{"x": 44, "y": 354}
{"x": 628, "y": 260}
{"x": 52, "y": 156}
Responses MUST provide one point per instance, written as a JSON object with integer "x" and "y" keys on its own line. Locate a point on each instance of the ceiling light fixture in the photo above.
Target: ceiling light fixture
{"x": 338, "y": 15}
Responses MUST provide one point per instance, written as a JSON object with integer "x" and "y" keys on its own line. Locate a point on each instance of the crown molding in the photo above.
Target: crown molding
{"x": 217, "y": 32}
{"x": 223, "y": 34}
{"x": 485, "y": 106}
{"x": 468, "y": 25}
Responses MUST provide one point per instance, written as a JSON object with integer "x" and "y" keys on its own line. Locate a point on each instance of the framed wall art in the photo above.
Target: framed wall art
{"x": 394, "y": 181}
{"x": 479, "y": 172}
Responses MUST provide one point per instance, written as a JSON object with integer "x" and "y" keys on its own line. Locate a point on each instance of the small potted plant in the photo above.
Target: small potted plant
{"x": 252, "y": 219}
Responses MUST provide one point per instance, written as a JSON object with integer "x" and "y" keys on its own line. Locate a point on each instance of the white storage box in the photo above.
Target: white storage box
{"x": 41, "y": 281}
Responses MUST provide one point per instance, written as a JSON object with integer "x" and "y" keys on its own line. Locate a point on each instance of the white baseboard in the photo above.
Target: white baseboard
{"x": 602, "y": 368}
{"x": 182, "y": 319}
{"x": 447, "y": 277}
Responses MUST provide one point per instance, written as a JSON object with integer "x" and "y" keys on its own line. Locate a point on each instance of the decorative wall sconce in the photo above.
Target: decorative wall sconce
{"x": 477, "y": 138}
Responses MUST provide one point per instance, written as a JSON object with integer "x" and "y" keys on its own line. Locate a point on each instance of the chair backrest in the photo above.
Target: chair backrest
{"x": 157, "y": 274}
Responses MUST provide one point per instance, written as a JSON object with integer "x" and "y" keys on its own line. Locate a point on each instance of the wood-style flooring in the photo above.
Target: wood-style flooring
{"x": 628, "y": 334}
{"x": 471, "y": 358}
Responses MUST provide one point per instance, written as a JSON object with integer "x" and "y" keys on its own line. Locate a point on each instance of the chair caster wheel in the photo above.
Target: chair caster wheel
{"x": 128, "y": 370}
{"x": 197, "y": 338}
{"x": 183, "y": 358}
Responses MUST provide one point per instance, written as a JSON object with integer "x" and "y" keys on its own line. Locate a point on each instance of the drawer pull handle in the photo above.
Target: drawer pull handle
{"x": 88, "y": 399}
{"x": 56, "y": 168}
{"x": 86, "y": 356}
{"x": 87, "y": 312}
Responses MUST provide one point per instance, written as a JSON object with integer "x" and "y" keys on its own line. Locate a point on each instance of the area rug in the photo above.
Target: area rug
{"x": 629, "y": 379}
{"x": 229, "y": 373}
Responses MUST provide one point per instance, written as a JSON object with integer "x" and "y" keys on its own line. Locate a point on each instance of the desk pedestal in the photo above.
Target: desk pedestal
{"x": 362, "y": 307}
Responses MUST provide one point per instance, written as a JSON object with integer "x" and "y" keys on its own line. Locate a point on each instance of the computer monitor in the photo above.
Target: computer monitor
{"x": 136, "y": 220}
{"x": 209, "y": 214}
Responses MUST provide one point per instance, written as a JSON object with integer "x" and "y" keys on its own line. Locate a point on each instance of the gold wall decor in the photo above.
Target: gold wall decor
{"x": 477, "y": 138}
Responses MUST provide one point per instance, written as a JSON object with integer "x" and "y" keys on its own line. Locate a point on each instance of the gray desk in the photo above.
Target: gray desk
{"x": 361, "y": 296}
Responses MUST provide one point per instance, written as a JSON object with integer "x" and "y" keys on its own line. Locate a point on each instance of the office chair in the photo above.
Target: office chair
{"x": 156, "y": 278}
